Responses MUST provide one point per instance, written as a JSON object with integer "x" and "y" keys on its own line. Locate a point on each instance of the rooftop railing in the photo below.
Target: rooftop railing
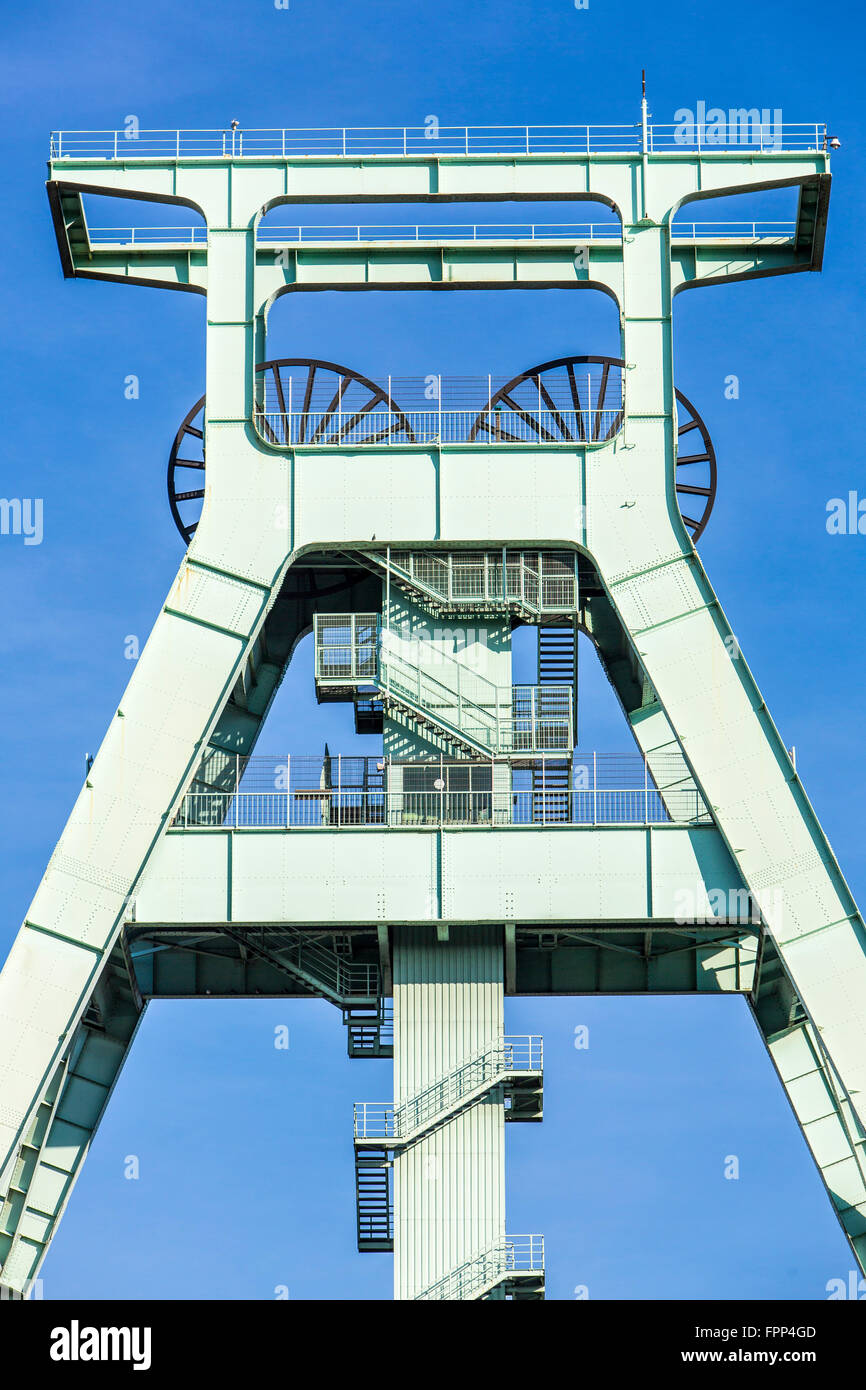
{"x": 733, "y": 231}
{"x": 578, "y": 232}
{"x": 742, "y": 130}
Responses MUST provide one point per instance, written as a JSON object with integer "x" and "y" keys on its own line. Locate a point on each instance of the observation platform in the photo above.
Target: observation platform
{"x": 588, "y": 879}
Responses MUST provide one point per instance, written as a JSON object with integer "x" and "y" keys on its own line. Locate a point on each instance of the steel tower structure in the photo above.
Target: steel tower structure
{"x": 468, "y": 860}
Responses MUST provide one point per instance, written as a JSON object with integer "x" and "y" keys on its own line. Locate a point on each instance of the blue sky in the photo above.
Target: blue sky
{"x": 245, "y": 1152}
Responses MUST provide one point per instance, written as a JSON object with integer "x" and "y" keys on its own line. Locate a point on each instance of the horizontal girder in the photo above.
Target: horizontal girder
{"x": 429, "y": 873}
{"x": 643, "y": 957}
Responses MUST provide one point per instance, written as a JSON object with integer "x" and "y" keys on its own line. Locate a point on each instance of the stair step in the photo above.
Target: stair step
{"x": 556, "y": 655}
{"x": 369, "y": 1031}
{"x": 369, "y": 714}
{"x": 374, "y": 1201}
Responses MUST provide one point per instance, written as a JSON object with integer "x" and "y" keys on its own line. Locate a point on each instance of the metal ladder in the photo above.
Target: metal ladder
{"x": 557, "y": 653}
{"x": 374, "y": 1199}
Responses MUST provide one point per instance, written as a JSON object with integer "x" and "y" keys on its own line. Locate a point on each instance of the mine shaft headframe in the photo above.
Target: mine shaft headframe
{"x": 301, "y": 400}
{"x": 565, "y": 401}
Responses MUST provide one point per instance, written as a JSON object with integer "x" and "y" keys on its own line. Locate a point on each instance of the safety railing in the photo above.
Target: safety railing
{"x": 340, "y": 979}
{"x": 327, "y": 808}
{"x": 351, "y": 650}
{"x": 540, "y": 719}
{"x": 147, "y": 236}
{"x": 383, "y": 1120}
{"x": 346, "y": 646}
{"x": 263, "y": 772}
{"x": 464, "y": 702}
{"x": 578, "y": 232}
{"x": 353, "y": 790}
{"x": 519, "y": 1256}
{"x": 371, "y": 1033}
{"x": 737, "y": 130}
{"x": 441, "y": 231}
{"x": 576, "y": 405}
{"x": 733, "y": 231}
{"x": 540, "y": 581}
{"x": 499, "y": 425}
{"x": 740, "y": 129}
{"x": 501, "y": 719}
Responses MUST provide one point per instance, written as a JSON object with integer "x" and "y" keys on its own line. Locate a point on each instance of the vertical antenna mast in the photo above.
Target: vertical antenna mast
{"x": 643, "y": 144}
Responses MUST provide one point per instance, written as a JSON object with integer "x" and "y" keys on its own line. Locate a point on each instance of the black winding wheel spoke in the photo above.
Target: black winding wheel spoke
{"x": 186, "y": 467}
{"x": 556, "y": 386}
{"x": 696, "y": 478}
{"x": 553, "y": 387}
{"x": 332, "y": 402}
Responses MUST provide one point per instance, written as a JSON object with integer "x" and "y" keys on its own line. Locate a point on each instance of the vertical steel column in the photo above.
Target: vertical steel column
{"x": 449, "y": 1188}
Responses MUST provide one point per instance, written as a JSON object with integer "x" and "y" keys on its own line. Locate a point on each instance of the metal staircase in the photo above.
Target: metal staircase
{"x": 370, "y": 1031}
{"x": 557, "y": 655}
{"x": 323, "y": 971}
{"x": 513, "y": 1268}
{"x": 469, "y": 725}
{"x": 374, "y": 1199}
{"x": 471, "y": 582}
{"x": 514, "y": 1064}
{"x": 357, "y": 661}
{"x": 551, "y": 791}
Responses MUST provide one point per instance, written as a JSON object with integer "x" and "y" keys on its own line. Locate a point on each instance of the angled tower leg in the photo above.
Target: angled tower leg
{"x": 61, "y": 961}
{"x": 53, "y": 1072}
{"x": 40, "y": 1174}
{"x": 710, "y": 701}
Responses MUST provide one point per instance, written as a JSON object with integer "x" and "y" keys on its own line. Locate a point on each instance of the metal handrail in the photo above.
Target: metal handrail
{"x": 507, "y": 1055}
{"x": 477, "y": 426}
{"x": 734, "y": 231}
{"x": 497, "y": 725}
{"x": 497, "y": 719}
{"x": 432, "y": 139}
{"x": 502, "y": 231}
{"x": 330, "y": 809}
{"x": 522, "y": 1254}
{"x": 276, "y": 771}
{"x": 474, "y": 720}
{"x": 462, "y": 583}
{"x": 345, "y": 979}
{"x": 297, "y": 791}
